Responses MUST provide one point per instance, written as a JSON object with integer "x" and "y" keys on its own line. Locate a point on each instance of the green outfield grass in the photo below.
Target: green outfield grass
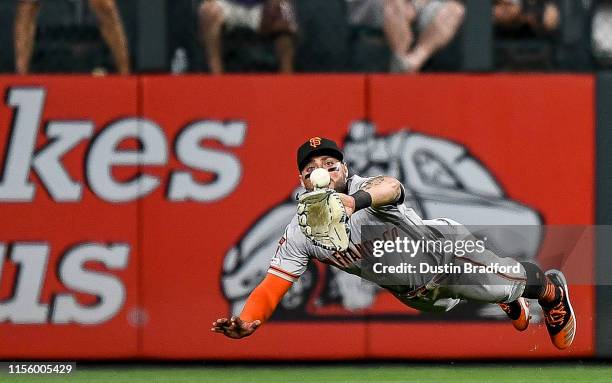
{"x": 570, "y": 373}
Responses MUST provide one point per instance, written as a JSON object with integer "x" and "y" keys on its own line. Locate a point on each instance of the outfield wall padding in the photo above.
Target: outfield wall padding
{"x": 136, "y": 210}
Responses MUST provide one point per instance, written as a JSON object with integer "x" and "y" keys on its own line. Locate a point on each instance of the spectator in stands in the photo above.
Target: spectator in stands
{"x": 539, "y": 16}
{"x": 110, "y": 27}
{"x": 273, "y": 18}
{"x": 436, "y": 22}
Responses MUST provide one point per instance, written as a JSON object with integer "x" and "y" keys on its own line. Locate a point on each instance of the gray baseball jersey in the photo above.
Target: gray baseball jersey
{"x": 295, "y": 251}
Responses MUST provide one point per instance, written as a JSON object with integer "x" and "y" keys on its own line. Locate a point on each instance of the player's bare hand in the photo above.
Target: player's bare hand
{"x": 235, "y": 327}
{"x": 348, "y": 202}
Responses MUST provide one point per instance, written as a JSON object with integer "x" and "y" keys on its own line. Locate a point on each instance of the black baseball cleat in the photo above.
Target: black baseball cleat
{"x": 518, "y": 312}
{"x": 560, "y": 319}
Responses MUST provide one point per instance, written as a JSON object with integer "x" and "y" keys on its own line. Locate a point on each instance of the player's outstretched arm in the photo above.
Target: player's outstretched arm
{"x": 375, "y": 192}
{"x": 258, "y": 308}
{"x": 383, "y": 189}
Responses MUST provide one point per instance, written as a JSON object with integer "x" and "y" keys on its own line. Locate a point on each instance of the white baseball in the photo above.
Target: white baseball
{"x": 320, "y": 178}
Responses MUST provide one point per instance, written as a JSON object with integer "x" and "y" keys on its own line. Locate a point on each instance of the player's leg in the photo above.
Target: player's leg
{"x": 463, "y": 286}
{"x": 518, "y": 312}
{"x": 517, "y": 280}
{"x": 212, "y": 17}
{"x": 552, "y": 292}
{"x": 25, "y": 31}
{"x": 437, "y": 21}
{"x": 503, "y": 288}
{"x": 112, "y": 31}
{"x": 550, "y": 289}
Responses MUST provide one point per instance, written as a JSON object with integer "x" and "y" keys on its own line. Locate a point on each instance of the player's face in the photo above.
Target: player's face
{"x": 337, "y": 172}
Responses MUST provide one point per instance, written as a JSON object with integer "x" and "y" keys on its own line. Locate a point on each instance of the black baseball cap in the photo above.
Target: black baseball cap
{"x": 317, "y": 146}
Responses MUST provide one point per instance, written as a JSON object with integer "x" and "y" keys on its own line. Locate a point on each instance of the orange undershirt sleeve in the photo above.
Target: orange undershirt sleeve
{"x": 264, "y": 299}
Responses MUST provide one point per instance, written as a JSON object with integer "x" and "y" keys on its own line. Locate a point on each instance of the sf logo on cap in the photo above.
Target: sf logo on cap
{"x": 315, "y": 141}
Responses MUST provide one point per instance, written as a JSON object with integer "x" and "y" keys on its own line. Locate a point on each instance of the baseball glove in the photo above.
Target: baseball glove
{"x": 323, "y": 219}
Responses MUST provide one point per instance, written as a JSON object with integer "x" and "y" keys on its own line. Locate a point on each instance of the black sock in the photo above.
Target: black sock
{"x": 536, "y": 281}
{"x": 539, "y": 286}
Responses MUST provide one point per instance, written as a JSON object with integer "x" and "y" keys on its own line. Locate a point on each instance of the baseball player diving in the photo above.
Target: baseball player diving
{"x": 361, "y": 226}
